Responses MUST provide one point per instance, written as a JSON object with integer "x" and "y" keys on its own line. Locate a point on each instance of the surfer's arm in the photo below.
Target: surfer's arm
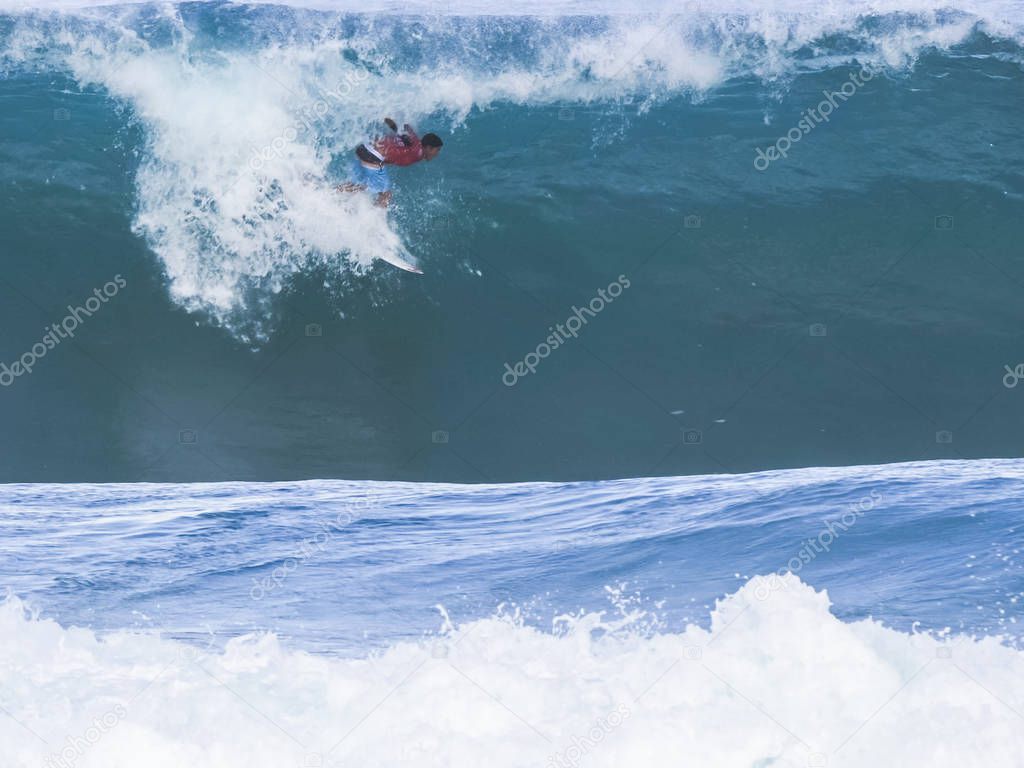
{"x": 348, "y": 186}
{"x": 409, "y": 136}
{"x": 384, "y": 198}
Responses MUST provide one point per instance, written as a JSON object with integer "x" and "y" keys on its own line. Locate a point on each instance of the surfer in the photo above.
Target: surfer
{"x": 368, "y": 171}
{"x": 406, "y": 148}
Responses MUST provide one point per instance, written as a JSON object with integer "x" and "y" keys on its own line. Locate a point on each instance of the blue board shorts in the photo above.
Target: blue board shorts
{"x": 374, "y": 179}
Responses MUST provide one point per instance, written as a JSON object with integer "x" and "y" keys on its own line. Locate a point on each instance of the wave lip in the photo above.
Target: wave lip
{"x": 1007, "y": 9}
{"x": 775, "y": 680}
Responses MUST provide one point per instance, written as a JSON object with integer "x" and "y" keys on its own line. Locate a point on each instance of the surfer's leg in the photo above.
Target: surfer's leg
{"x": 359, "y": 178}
{"x": 377, "y": 181}
{"x": 374, "y": 180}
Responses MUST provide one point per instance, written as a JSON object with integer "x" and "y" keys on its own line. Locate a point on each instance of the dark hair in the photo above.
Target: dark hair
{"x": 431, "y": 140}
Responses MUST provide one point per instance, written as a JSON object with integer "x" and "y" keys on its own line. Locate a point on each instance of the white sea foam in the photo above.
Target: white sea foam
{"x": 773, "y": 682}
{"x": 1006, "y": 9}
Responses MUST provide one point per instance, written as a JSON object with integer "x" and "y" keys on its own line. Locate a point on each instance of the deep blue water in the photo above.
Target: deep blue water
{"x": 340, "y": 566}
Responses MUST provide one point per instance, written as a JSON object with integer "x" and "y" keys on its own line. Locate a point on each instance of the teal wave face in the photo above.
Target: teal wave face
{"x": 234, "y": 123}
{"x": 194, "y": 151}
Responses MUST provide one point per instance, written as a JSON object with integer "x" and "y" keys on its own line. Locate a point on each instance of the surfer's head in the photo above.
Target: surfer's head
{"x": 431, "y": 144}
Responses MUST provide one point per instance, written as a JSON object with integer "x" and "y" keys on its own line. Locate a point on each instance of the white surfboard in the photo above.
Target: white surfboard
{"x": 405, "y": 261}
{"x": 379, "y": 241}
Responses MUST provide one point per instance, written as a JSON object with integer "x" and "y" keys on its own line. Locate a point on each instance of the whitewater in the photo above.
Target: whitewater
{"x": 773, "y": 682}
{"x": 619, "y": 622}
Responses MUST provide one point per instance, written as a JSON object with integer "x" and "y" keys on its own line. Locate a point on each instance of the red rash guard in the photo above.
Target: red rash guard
{"x": 398, "y": 152}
